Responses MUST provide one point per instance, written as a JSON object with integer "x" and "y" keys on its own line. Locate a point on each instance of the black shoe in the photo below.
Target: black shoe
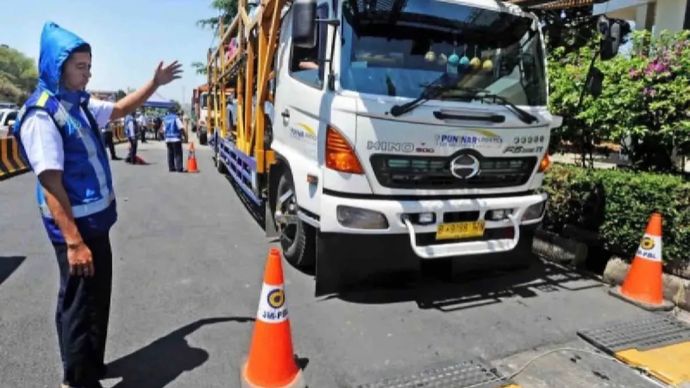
{"x": 115, "y": 158}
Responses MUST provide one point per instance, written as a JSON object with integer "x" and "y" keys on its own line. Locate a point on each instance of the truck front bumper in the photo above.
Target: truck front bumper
{"x": 402, "y": 218}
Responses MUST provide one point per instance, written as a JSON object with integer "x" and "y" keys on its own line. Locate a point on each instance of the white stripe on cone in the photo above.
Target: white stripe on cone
{"x": 272, "y": 306}
{"x": 650, "y": 248}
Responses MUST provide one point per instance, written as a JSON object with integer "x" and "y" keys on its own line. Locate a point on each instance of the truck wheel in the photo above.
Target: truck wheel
{"x": 220, "y": 167}
{"x": 297, "y": 239}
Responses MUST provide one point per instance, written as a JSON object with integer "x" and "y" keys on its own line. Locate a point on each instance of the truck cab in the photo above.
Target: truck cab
{"x": 413, "y": 124}
{"x": 399, "y": 132}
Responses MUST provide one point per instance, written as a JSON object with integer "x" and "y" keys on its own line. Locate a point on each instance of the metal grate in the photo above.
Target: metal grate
{"x": 653, "y": 332}
{"x": 470, "y": 373}
{"x": 420, "y": 172}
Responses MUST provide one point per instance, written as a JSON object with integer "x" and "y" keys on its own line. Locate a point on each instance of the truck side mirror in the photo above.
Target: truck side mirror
{"x": 611, "y": 38}
{"x": 304, "y": 23}
{"x": 595, "y": 82}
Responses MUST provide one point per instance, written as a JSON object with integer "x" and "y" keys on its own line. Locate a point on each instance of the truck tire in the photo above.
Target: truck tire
{"x": 297, "y": 239}
{"x": 220, "y": 167}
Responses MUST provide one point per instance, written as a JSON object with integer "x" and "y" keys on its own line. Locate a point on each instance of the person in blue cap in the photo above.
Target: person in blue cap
{"x": 58, "y": 133}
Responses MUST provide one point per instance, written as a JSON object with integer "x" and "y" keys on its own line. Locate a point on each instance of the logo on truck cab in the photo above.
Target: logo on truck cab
{"x": 485, "y": 139}
{"x": 464, "y": 166}
{"x": 391, "y": 146}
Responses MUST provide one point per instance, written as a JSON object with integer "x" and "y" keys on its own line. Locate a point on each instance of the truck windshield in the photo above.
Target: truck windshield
{"x": 399, "y": 47}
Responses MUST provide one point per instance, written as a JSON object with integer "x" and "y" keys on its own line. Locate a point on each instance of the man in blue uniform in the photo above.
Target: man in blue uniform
{"x": 131, "y": 133}
{"x": 173, "y": 139}
{"x": 58, "y": 132}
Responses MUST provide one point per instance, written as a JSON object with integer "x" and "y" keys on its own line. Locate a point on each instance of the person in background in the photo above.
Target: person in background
{"x": 141, "y": 126}
{"x": 131, "y": 133}
{"x": 174, "y": 131}
{"x": 158, "y": 128}
{"x": 58, "y": 133}
{"x": 107, "y": 134}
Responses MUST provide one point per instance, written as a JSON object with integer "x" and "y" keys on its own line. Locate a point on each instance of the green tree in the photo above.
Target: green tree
{"x": 178, "y": 107}
{"x": 226, "y": 8}
{"x": 569, "y": 29}
{"x": 200, "y": 68}
{"x": 645, "y": 102}
{"x": 120, "y": 95}
{"x": 18, "y": 75}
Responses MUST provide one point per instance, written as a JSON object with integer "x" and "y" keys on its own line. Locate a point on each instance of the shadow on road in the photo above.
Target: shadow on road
{"x": 436, "y": 288}
{"x": 9, "y": 264}
{"x": 162, "y": 361}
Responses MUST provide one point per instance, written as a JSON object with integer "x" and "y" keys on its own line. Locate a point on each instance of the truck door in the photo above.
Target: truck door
{"x": 299, "y": 92}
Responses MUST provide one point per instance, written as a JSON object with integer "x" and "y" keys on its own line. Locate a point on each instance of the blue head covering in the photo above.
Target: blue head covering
{"x": 57, "y": 44}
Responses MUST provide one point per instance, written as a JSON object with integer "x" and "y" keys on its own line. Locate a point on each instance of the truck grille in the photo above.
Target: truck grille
{"x": 421, "y": 172}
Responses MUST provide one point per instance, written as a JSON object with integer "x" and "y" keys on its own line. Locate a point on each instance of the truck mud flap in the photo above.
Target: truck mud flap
{"x": 345, "y": 262}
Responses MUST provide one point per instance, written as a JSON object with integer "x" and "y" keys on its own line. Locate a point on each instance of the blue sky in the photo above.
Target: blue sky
{"x": 128, "y": 37}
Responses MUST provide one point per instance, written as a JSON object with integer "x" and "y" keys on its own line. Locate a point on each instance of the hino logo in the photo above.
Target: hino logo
{"x": 464, "y": 167}
{"x": 390, "y": 146}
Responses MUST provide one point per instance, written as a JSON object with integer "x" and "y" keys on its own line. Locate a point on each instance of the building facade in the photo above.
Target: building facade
{"x": 653, "y": 15}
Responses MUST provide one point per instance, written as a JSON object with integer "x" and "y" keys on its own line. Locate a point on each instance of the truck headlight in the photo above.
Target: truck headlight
{"x": 354, "y": 217}
{"x": 535, "y": 211}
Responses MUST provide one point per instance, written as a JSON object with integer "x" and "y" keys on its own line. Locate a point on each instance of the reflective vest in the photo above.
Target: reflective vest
{"x": 130, "y": 127}
{"x": 86, "y": 173}
{"x": 172, "y": 131}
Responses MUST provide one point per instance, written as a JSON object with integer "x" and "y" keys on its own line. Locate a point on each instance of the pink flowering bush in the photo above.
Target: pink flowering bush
{"x": 645, "y": 99}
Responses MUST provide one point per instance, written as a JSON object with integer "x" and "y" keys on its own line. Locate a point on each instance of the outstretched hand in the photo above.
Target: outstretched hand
{"x": 165, "y": 75}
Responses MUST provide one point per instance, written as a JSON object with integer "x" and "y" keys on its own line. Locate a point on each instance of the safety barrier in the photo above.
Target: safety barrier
{"x": 11, "y": 160}
{"x": 119, "y": 133}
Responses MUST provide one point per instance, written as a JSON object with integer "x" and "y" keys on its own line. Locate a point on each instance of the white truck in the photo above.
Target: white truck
{"x": 404, "y": 130}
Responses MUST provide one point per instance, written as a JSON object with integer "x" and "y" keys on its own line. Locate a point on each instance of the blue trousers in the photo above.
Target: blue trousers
{"x": 175, "y": 156}
{"x": 81, "y": 317}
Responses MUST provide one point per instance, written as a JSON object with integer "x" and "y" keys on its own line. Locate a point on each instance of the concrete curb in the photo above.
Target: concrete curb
{"x": 559, "y": 249}
{"x": 553, "y": 247}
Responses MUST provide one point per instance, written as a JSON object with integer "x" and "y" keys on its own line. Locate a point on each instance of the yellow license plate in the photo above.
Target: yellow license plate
{"x": 457, "y": 230}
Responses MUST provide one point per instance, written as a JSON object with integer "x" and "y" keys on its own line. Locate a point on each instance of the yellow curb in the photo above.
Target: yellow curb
{"x": 670, "y": 364}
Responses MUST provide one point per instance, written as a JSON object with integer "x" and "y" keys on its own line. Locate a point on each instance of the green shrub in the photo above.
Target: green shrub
{"x": 617, "y": 204}
{"x": 645, "y": 98}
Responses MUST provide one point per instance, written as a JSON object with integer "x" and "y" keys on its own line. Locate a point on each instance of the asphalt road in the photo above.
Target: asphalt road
{"x": 188, "y": 262}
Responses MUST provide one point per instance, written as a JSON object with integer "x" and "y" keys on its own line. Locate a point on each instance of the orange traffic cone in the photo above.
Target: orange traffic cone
{"x": 191, "y": 159}
{"x": 643, "y": 284}
{"x": 271, "y": 361}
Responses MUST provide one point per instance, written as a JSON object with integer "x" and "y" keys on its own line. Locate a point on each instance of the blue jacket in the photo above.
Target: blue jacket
{"x": 172, "y": 130}
{"x": 86, "y": 176}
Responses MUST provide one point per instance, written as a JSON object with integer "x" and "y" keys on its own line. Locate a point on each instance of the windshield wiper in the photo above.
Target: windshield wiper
{"x": 442, "y": 84}
{"x": 522, "y": 114}
{"x": 447, "y": 83}
{"x": 483, "y": 96}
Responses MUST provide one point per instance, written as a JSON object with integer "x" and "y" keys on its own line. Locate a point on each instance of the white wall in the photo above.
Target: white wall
{"x": 656, "y": 15}
{"x": 615, "y": 5}
{"x": 670, "y": 15}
